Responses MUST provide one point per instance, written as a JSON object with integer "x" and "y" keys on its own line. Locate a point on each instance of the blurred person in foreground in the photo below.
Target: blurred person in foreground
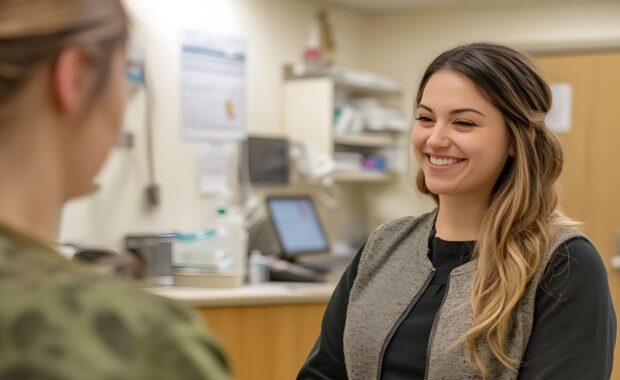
{"x": 62, "y": 64}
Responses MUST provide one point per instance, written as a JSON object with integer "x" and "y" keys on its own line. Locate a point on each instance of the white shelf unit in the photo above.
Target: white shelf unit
{"x": 351, "y": 81}
{"x": 307, "y": 114}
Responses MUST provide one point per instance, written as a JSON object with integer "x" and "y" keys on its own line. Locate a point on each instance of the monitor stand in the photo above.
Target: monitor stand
{"x": 324, "y": 263}
{"x": 281, "y": 270}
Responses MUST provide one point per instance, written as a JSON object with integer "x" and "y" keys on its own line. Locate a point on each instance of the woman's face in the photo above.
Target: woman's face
{"x": 98, "y": 130}
{"x": 460, "y": 138}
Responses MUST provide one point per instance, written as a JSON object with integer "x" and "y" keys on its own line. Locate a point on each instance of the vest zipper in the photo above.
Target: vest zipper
{"x": 400, "y": 320}
{"x": 433, "y": 328}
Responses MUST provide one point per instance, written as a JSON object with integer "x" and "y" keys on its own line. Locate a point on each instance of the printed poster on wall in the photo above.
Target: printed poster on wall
{"x": 212, "y": 87}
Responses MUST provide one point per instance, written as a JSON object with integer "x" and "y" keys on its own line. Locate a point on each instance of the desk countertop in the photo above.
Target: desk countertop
{"x": 262, "y": 294}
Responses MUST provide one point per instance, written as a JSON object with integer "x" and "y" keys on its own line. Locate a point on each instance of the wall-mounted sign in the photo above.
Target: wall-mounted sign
{"x": 212, "y": 87}
{"x": 559, "y": 118}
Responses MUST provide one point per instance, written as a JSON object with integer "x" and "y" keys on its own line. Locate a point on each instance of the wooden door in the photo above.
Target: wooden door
{"x": 590, "y": 183}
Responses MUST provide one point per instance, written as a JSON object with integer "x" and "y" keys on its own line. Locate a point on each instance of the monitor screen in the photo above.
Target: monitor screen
{"x": 267, "y": 161}
{"x": 297, "y": 225}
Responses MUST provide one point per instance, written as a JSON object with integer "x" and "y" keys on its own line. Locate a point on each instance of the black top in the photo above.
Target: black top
{"x": 573, "y": 334}
{"x": 402, "y": 359}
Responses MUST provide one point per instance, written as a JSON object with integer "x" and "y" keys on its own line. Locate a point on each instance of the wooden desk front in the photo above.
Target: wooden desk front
{"x": 267, "y": 330}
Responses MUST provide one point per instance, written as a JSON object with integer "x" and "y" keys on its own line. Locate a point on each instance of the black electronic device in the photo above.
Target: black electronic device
{"x": 280, "y": 270}
{"x": 297, "y": 226}
{"x": 267, "y": 160}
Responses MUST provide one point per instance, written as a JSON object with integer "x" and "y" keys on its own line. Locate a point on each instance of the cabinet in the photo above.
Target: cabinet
{"x": 266, "y": 330}
{"x": 266, "y": 342}
{"x": 311, "y": 108}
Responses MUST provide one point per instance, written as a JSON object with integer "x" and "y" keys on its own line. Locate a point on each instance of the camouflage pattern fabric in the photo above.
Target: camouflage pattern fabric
{"x": 63, "y": 321}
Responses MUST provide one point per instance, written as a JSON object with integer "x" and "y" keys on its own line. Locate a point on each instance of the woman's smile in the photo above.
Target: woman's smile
{"x": 443, "y": 163}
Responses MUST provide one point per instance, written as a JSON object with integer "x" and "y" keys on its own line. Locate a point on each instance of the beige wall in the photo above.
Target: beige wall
{"x": 402, "y": 44}
{"x": 275, "y": 32}
{"x": 398, "y": 44}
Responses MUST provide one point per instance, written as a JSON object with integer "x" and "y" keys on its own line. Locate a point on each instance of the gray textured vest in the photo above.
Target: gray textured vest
{"x": 393, "y": 272}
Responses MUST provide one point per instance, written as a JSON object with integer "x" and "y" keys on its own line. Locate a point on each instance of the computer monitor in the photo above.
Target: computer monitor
{"x": 297, "y": 226}
{"x": 268, "y": 161}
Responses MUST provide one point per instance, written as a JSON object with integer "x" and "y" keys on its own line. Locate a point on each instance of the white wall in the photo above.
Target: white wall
{"x": 402, "y": 44}
{"x": 275, "y": 32}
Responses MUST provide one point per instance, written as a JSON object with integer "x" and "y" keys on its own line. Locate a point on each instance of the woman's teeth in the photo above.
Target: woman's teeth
{"x": 444, "y": 161}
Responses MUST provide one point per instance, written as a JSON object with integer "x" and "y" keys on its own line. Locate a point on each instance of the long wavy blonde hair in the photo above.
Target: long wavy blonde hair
{"x": 522, "y": 212}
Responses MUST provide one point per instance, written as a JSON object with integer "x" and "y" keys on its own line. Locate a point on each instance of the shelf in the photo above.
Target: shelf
{"x": 367, "y": 89}
{"x": 362, "y": 176}
{"x": 355, "y": 82}
{"x": 367, "y": 139}
{"x": 308, "y": 117}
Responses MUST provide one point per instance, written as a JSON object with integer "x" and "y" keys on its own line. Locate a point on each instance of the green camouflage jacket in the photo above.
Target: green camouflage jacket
{"x": 63, "y": 321}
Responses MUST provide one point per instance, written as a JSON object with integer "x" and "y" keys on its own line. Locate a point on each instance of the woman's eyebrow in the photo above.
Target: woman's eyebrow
{"x": 456, "y": 111}
{"x": 461, "y": 110}
{"x": 429, "y": 109}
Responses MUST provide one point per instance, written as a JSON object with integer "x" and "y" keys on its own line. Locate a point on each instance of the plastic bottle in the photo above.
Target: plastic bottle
{"x": 258, "y": 272}
{"x": 231, "y": 225}
{"x": 313, "y": 54}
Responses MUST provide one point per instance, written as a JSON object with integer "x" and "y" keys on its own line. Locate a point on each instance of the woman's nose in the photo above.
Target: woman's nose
{"x": 439, "y": 137}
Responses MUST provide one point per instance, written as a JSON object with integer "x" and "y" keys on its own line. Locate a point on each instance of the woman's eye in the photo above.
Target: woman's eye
{"x": 424, "y": 119}
{"x": 464, "y": 123}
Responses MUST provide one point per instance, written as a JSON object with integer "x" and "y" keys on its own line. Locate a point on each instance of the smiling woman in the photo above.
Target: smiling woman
{"x": 495, "y": 283}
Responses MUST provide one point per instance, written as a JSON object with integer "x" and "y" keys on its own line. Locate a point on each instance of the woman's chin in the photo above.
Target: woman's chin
{"x": 439, "y": 189}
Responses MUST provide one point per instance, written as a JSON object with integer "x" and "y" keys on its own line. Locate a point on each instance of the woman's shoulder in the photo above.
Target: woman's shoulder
{"x": 402, "y": 225}
{"x": 40, "y": 279}
{"x": 578, "y": 253}
{"x": 97, "y": 318}
{"x": 575, "y": 267}
{"x": 389, "y": 238}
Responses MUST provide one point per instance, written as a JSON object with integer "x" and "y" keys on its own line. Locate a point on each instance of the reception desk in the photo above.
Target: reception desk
{"x": 267, "y": 329}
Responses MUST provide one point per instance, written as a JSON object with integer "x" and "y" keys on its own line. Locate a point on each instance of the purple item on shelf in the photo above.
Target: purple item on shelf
{"x": 376, "y": 163}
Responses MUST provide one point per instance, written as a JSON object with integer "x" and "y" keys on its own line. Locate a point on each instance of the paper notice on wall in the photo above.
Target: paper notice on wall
{"x": 213, "y": 170}
{"x": 212, "y": 87}
{"x": 559, "y": 118}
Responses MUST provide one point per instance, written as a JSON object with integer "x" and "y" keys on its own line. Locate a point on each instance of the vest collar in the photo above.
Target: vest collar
{"x": 422, "y": 250}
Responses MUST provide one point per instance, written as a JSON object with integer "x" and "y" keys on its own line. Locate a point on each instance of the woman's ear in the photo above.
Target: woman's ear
{"x": 70, "y": 81}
